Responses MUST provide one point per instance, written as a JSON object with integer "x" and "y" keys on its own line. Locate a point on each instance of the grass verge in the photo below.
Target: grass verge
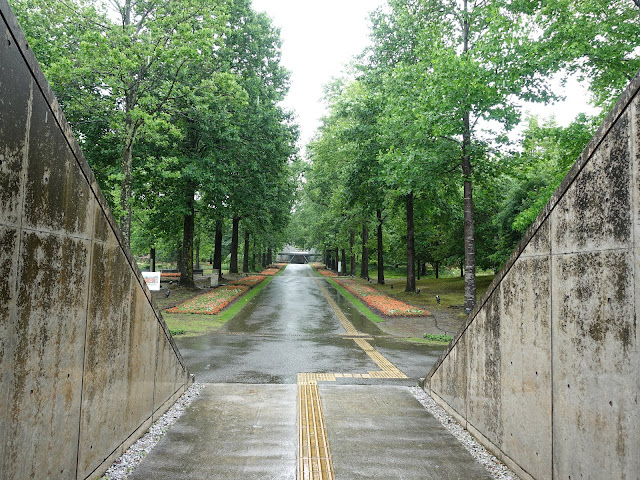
{"x": 356, "y": 302}
{"x": 424, "y": 341}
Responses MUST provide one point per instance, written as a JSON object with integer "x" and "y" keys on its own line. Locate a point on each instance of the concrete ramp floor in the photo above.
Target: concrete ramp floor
{"x": 235, "y": 431}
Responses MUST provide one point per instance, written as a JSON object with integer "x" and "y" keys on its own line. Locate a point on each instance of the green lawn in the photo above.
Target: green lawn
{"x": 450, "y": 290}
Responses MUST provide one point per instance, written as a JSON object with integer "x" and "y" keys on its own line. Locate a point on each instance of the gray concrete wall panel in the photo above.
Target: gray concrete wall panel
{"x": 170, "y": 373}
{"x": 81, "y": 377}
{"x": 484, "y": 402}
{"x": 8, "y": 262}
{"x": 105, "y": 365}
{"x": 57, "y": 196}
{"x": 142, "y": 362}
{"x": 595, "y": 384}
{"x": 553, "y": 356}
{"x": 526, "y": 355}
{"x": 44, "y": 399}
{"x": 595, "y": 213}
{"x": 450, "y": 381}
{"x": 13, "y": 129}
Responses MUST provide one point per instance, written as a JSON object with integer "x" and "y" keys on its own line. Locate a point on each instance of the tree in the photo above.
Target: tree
{"x": 596, "y": 40}
{"x": 464, "y": 62}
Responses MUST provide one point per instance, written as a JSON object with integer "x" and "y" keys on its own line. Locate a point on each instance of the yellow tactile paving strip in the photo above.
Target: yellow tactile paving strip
{"x": 388, "y": 369}
{"x": 348, "y": 326}
{"x": 314, "y": 455}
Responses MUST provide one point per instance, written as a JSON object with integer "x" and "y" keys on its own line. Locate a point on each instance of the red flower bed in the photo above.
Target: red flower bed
{"x": 211, "y": 302}
{"x": 322, "y": 270}
{"x": 269, "y": 271}
{"x": 250, "y": 281}
{"x": 387, "y": 305}
{"x": 169, "y": 276}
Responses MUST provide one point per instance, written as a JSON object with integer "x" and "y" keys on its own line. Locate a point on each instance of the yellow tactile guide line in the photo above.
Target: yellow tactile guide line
{"x": 314, "y": 455}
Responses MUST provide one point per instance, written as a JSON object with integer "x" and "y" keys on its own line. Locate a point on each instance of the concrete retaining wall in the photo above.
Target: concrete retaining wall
{"x": 547, "y": 371}
{"x": 86, "y": 362}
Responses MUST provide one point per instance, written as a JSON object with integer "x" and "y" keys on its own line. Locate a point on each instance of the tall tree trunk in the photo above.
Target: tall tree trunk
{"x": 245, "y": 257}
{"x": 269, "y": 256}
{"x": 436, "y": 266}
{"x": 326, "y": 258}
{"x": 364, "y": 268}
{"x": 186, "y": 271}
{"x": 411, "y": 253}
{"x": 197, "y": 245}
{"x": 418, "y": 263}
{"x": 233, "y": 262}
{"x": 253, "y": 255}
{"x": 217, "y": 249}
{"x": 343, "y": 270}
{"x": 380, "y": 252}
{"x": 126, "y": 185}
{"x": 180, "y": 257}
{"x": 352, "y": 242}
{"x": 335, "y": 253}
{"x": 469, "y": 233}
{"x": 153, "y": 259}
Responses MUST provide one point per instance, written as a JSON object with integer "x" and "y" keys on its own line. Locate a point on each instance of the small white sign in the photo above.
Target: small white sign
{"x": 152, "y": 279}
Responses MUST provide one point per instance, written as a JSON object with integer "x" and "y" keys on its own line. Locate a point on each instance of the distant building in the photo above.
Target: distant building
{"x": 292, "y": 254}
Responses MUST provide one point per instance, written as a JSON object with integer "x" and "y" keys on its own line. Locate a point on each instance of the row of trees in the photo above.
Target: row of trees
{"x": 175, "y": 104}
{"x": 416, "y": 144}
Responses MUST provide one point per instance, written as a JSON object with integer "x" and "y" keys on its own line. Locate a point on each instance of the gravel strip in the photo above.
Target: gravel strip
{"x": 496, "y": 468}
{"x": 123, "y": 466}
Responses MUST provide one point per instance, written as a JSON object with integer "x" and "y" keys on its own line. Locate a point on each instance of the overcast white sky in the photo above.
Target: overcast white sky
{"x": 321, "y": 37}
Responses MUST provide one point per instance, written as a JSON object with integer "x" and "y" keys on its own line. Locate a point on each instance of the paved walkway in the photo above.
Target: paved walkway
{"x": 300, "y": 385}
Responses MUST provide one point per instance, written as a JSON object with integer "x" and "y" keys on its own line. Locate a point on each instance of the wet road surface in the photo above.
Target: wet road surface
{"x": 288, "y": 328}
{"x": 300, "y": 385}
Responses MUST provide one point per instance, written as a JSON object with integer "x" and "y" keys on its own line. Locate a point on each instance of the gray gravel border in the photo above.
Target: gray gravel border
{"x": 124, "y": 465}
{"x": 495, "y": 467}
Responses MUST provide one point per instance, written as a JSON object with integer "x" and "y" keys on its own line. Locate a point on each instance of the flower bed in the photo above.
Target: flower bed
{"x": 385, "y": 304}
{"x": 250, "y": 281}
{"x": 169, "y": 276}
{"x": 211, "y": 302}
{"x": 273, "y": 270}
{"x": 324, "y": 272}
{"x": 270, "y": 271}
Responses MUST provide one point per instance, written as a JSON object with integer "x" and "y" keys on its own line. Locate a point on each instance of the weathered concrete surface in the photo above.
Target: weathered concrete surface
{"x": 384, "y": 432}
{"x": 244, "y": 431}
{"x": 85, "y": 359}
{"x": 231, "y": 431}
{"x": 546, "y": 371}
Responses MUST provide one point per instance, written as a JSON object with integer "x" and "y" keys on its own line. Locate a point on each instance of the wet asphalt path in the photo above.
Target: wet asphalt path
{"x": 288, "y": 328}
{"x": 256, "y": 418}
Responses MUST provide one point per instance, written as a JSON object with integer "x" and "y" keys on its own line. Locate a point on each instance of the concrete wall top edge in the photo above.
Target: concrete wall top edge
{"x": 621, "y": 105}
{"x": 37, "y": 74}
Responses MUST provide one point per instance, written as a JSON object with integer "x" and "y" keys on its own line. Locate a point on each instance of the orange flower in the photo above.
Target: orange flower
{"x": 378, "y": 300}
